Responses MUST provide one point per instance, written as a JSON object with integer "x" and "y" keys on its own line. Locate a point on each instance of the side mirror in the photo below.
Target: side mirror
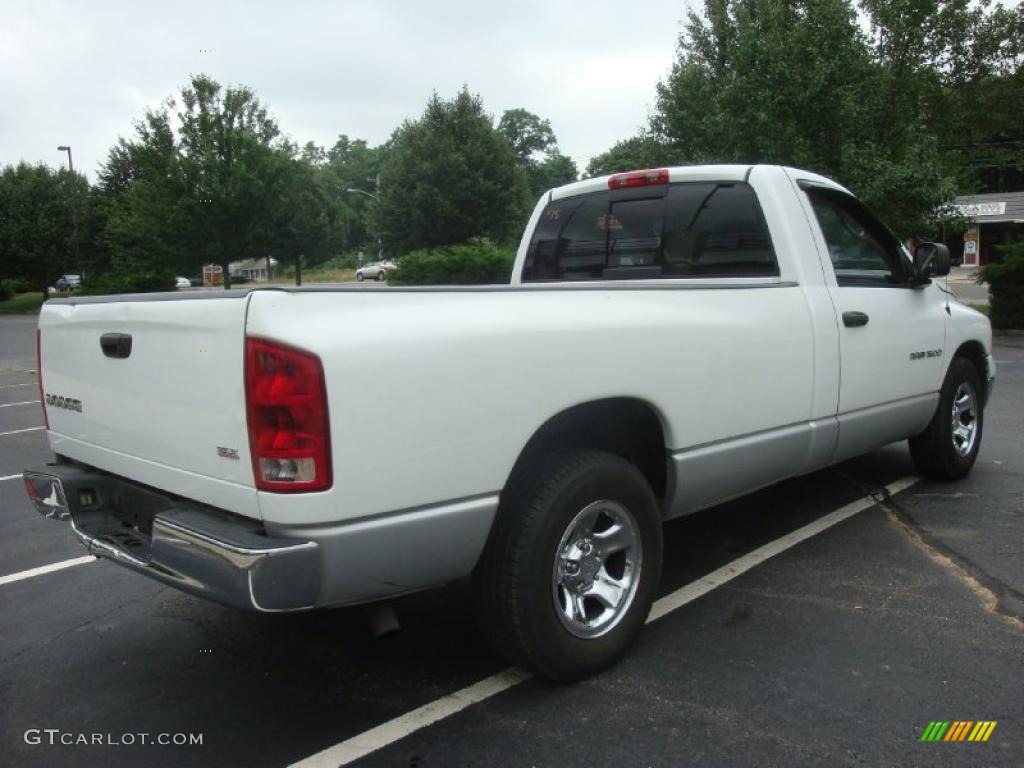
{"x": 931, "y": 260}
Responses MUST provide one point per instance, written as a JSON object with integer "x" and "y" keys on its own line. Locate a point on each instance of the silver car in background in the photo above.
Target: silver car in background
{"x": 376, "y": 270}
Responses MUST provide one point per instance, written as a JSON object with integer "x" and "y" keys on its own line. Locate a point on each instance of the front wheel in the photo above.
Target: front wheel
{"x": 947, "y": 449}
{"x": 359, "y": 276}
{"x": 570, "y": 572}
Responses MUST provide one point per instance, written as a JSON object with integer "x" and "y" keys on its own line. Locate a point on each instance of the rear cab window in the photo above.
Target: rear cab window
{"x": 682, "y": 230}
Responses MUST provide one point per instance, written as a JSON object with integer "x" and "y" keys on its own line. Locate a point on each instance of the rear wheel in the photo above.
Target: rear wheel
{"x": 570, "y": 571}
{"x": 380, "y": 276}
{"x": 947, "y": 449}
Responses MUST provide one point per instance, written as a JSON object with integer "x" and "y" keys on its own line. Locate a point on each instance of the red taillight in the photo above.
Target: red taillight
{"x": 289, "y": 435}
{"x": 638, "y": 179}
{"x": 39, "y": 376}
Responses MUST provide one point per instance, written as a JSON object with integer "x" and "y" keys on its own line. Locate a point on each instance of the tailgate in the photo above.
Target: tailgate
{"x": 171, "y": 412}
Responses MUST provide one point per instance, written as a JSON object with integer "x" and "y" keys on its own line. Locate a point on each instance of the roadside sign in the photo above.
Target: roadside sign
{"x": 213, "y": 274}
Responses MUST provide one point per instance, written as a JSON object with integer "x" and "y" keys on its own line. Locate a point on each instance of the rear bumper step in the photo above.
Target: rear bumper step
{"x": 208, "y": 553}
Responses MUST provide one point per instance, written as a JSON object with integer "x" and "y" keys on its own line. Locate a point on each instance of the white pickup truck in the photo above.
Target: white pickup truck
{"x": 670, "y": 339}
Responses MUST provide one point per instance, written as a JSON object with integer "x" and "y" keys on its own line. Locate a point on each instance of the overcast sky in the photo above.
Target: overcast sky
{"x": 80, "y": 73}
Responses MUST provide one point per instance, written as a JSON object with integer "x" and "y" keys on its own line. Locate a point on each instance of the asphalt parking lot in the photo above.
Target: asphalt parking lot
{"x": 963, "y": 282}
{"x": 839, "y": 650}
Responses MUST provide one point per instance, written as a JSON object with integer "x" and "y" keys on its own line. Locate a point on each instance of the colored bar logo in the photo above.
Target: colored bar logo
{"x": 958, "y": 730}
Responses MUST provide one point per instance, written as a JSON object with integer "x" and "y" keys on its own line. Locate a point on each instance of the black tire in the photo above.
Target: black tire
{"x": 515, "y": 582}
{"x": 359, "y": 276}
{"x": 380, "y": 276}
{"x": 934, "y": 452}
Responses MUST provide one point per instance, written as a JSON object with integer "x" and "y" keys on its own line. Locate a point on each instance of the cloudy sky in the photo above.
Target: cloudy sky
{"x": 80, "y": 73}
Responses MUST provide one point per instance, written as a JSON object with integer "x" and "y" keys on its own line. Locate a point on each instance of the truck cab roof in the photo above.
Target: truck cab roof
{"x": 680, "y": 173}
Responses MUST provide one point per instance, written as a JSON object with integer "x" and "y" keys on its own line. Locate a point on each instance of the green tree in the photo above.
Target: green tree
{"x": 536, "y": 146}
{"x": 801, "y": 83}
{"x": 448, "y": 177}
{"x": 226, "y": 162}
{"x": 635, "y": 154}
{"x": 766, "y": 81}
{"x": 554, "y": 170}
{"x": 352, "y": 164}
{"x": 148, "y": 222}
{"x": 528, "y": 134}
{"x": 36, "y": 224}
{"x": 989, "y": 151}
{"x": 196, "y": 187}
{"x": 956, "y": 65}
{"x": 308, "y": 219}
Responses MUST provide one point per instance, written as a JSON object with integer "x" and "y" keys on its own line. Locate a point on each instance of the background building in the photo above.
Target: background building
{"x": 994, "y": 219}
{"x": 260, "y": 269}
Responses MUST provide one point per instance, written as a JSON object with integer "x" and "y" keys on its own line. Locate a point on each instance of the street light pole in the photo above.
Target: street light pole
{"x": 376, "y": 199}
{"x": 363, "y": 192}
{"x": 74, "y": 206}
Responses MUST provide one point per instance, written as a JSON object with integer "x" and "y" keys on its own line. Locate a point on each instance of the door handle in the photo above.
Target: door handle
{"x": 854, "y": 319}
{"x": 116, "y": 344}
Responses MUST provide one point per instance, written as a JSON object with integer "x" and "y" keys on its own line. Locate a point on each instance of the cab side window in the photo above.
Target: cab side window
{"x": 862, "y": 250}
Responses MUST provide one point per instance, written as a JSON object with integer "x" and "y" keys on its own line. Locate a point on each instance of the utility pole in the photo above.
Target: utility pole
{"x": 74, "y": 207}
{"x": 376, "y": 199}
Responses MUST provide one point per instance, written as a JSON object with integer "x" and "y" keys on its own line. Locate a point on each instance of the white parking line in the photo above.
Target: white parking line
{"x": 23, "y": 402}
{"x": 11, "y": 386}
{"x": 10, "y": 477}
{"x": 46, "y": 569}
{"x": 730, "y": 571}
{"x": 393, "y": 730}
{"x": 387, "y": 733}
{"x": 19, "y": 431}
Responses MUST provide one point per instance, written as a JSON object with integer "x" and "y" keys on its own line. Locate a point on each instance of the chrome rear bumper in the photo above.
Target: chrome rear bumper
{"x": 200, "y": 550}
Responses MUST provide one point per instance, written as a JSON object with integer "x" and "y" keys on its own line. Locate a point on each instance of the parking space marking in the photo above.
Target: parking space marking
{"x": 387, "y": 733}
{"x": 46, "y": 569}
{"x": 23, "y": 402}
{"x": 730, "y": 571}
{"x": 19, "y": 431}
{"x": 10, "y": 477}
{"x": 393, "y": 730}
{"x": 10, "y": 386}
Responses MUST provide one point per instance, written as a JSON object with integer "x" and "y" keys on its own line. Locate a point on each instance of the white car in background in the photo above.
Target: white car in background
{"x": 182, "y": 282}
{"x": 376, "y": 270}
{"x": 69, "y": 282}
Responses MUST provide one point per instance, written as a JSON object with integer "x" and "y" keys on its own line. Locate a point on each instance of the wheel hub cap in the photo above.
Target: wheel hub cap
{"x": 596, "y": 569}
{"x": 964, "y": 419}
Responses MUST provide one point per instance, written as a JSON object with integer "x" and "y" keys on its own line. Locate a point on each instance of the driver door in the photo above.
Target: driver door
{"x": 891, "y": 336}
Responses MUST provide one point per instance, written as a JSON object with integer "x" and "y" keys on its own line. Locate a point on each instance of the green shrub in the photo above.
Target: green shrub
{"x": 1006, "y": 286}
{"x": 345, "y": 261}
{"x": 128, "y": 282}
{"x": 6, "y": 290}
{"x": 468, "y": 264}
{"x": 19, "y": 285}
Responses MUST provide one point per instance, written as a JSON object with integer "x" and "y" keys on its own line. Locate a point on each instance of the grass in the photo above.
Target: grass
{"x": 315, "y": 275}
{"x": 983, "y": 308}
{"x": 22, "y": 303}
